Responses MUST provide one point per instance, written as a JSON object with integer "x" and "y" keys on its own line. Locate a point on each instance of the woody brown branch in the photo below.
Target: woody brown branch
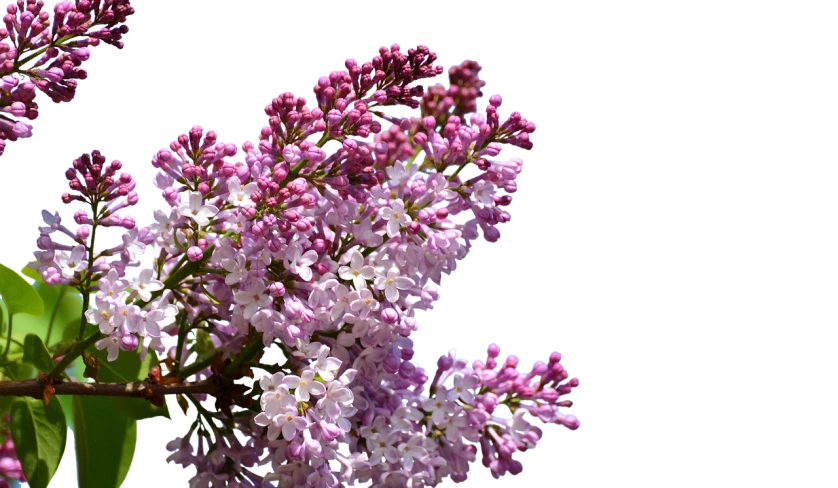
{"x": 35, "y": 388}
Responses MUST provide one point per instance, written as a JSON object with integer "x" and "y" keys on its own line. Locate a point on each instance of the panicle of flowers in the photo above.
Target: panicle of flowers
{"x": 39, "y": 51}
{"x": 320, "y": 242}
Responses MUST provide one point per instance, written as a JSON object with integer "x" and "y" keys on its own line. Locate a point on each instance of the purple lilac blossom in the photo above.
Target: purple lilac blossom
{"x": 44, "y": 52}
{"x": 322, "y": 239}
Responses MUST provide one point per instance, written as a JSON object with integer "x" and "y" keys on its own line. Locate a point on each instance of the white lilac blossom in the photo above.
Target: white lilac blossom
{"x": 324, "y": 258}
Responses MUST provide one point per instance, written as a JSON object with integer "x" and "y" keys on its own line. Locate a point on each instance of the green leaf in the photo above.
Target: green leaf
{"x": 18, "y": 294}
{"x": 105, "y": 442}
{"x": 126, "y": 368}
{"x": 39, "y": 434}
{"x": 6, "y": 404}
{"x": 31, "y": 273}
{"x": 18, "y": 371}
{"x": 67, "y": 405}
{"x": 63, "y": 307}
{"x": 36, "y": 354}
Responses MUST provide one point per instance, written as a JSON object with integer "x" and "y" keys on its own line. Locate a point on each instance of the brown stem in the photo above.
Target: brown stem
{"x": 35, "y": 388}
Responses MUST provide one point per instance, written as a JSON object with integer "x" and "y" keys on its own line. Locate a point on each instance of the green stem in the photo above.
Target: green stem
{"x": 85, "y": 288}
{"x": 61, "y": 293}
{"x": 84, "y": 306}
{"x": 194, "y": 367}
{"x": 9, "y": 336}
{"x": 75, "y": 352}
{"x": 366, "y": 252}
{"x": 181, "y": 337}
{"x": 247, "y": 354}
{"x": 17, "y": 342}
{"x": 454, "y": 175}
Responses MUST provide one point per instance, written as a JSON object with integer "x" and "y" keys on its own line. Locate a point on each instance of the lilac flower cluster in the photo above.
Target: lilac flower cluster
{"x": 39, "y": 51}
{"x": 321, "y": 242}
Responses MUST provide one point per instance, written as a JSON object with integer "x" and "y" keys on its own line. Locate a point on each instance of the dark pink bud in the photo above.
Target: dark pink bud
{"x": 380, "y": 96}
{"x": 81, "y": 217}
{"x": 171, "y": 195}
{"x": 303, "y": 225}
{"x": 129, "y": 342}
{"x": 445, "y": 362}
{"x": 319, "y": 246}
{"x": 276, "y": 289}
{"x": 308, "y": 201}
{"x": 18, "y": 109}
{"x": 330, "y": 432}
{"x": 83, "y": 232}
{"x": 248, "y": 211}
{"x": 389, "y": 316}
{"x": 228, "y": 170}
{"x": 295, "y": 451}
{"x": 258, "y": 228}
{"x": 549, "y": 395}
{"x": 194, "y": 254}
{"x": 391, "y": 364}
{"x": 420, "y": 139}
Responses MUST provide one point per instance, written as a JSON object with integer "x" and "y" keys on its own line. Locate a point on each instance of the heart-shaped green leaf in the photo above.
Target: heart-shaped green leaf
{"x": 39, "y": 434}
{"x": 36, "y": 354}
{"x": 105, "y": 442}
{"x": 18, "y": 294}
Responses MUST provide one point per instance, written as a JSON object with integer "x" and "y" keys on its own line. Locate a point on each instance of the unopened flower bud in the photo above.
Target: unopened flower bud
{"x": 83, "y": 232}
{"x": 319, "y": 246}
{"x": 389, "y": 316}
{"x": 276, "y": 289}
{"x": 17, "y": 109}
{"x": 445, "y": 362}
{"x": 248, "y": 212}
{"x": 81, "y": 217}
{"x": 303, "y": 225}
{"x": 194, "y": 253}
{"x": 129, "y": 342}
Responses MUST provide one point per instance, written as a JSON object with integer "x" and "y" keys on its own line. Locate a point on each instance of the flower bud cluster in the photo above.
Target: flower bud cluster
{"x": 320, "y": 242}
{"x": 39, "y": 51}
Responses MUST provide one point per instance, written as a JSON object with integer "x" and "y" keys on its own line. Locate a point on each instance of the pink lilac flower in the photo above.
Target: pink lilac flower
{"x": 317, "y": 244}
